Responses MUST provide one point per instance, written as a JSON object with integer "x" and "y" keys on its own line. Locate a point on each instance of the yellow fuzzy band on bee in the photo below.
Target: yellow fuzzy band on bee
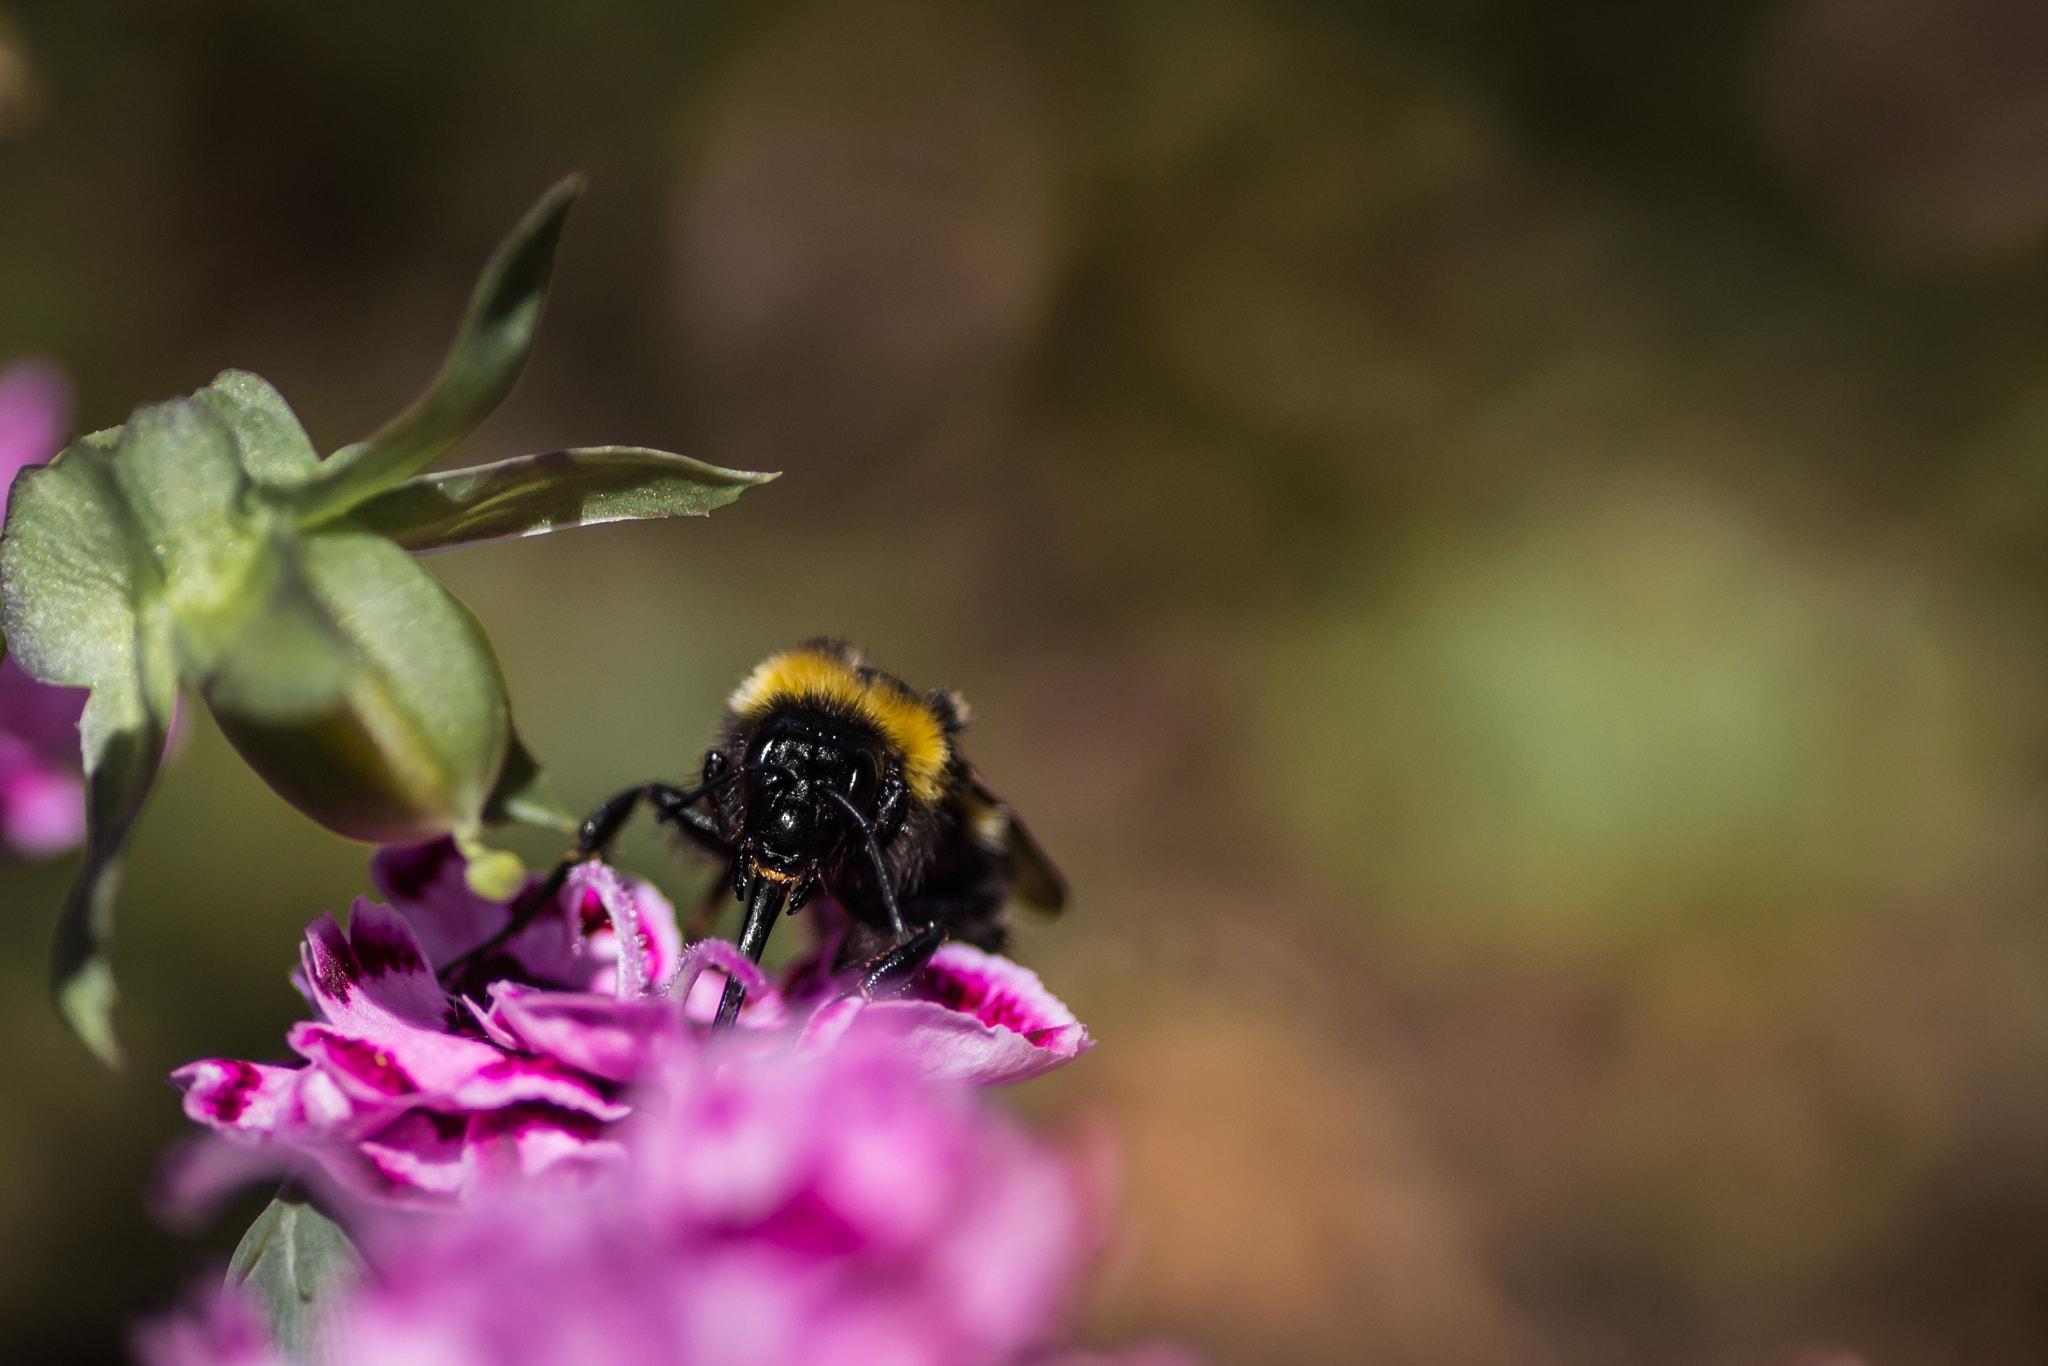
{"x": 902, "y": 718}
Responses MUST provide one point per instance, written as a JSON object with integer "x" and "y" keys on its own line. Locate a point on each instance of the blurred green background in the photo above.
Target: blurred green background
{"x": 1503, "y": 544}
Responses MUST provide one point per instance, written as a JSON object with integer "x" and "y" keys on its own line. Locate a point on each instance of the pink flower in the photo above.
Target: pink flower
{"x": 42, "y": 800}
{"x": 408, "y": 1095}
{"x": 773, "y": 1210}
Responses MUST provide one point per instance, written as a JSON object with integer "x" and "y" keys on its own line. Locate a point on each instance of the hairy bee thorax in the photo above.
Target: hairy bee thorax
{"x": 831, "y": 678}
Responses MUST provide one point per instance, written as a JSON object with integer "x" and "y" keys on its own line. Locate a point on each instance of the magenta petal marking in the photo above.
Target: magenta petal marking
{"x": 40, "y": 717}
{"x": 364, "y": 1068}
{"x": 983, "y": 1021}
{"x": 596, "y": 1034}
{"x": 445, "y": 1070}
{"x": 509, "y": 1080}
{"x": 374, "y": 980}
{"x": 421, "y": 1151}
{"x": 233, "y": 1096}
{"x": 993, "y": 989}
{"x": 394, "y": 965}
{"x": 527, "y": 1140}
{"x": 425, "y": 883}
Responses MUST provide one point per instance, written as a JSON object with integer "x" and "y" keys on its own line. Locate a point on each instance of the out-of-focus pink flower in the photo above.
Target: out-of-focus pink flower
{"x": 408, "y": 1095}
{"x": 35, "y": 412}
{"x": 223, "y": 1330}
{"x": 42, "y": 800}
{"x": 774, "y": 1210}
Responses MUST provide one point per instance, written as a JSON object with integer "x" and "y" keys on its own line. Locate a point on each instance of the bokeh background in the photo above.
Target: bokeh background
{"x": 1503, "y": 544}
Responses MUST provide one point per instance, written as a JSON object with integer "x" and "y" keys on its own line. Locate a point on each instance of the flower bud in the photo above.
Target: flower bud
{"x": 363, "y": 692}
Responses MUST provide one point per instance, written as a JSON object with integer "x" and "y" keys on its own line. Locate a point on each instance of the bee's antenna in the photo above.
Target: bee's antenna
{"x": 882, "y": 880}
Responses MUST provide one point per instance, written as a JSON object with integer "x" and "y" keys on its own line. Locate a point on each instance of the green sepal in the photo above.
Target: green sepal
{"x": 294, "y": 1264}
{"x": 272, "y": 447}
{"x": 531, "y": 495}
{"x": 489, "y": 352}
{"x": 522, "y": 795}
{"x": 177, "y": 468}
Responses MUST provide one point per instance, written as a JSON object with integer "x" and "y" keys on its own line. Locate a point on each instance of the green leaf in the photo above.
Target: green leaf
{"x": 123, "y": 728}
{"x": 415, "y": 743}
{"x": 83, "y": 607}
{"x": 296, "y": 1264}
{"x": 489, "y": 353}
{"x": 273, "y": 448}
{"x": 531, "y": 495}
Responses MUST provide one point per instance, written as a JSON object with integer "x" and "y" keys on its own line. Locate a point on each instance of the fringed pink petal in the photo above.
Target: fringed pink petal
{"x": 607, "y": 1038}
{"x": 224, "y": 1329}
{"x": 236, "y": 1097}
{"x": 522, "y": 1142}
{"x": 375, "y": 979}
{"x": 422, "y": 1152}
{"x": 971, "y": 1019}
{"x": 595, "y": 909}
{"x": 993, "y": 989}
{"x": 446, "y": 1070}
{"x": 723, "y": 956}
{"x": 510, "y": 1080}
{"x": 620, "y": 907}
{"x": 427, "y": 884}
{"x": 947, "y": 1046}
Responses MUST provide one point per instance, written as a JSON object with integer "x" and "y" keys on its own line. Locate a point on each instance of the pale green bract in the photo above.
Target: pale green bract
{"x": 294, "y": 1263}
{"x": 205, "y": 545}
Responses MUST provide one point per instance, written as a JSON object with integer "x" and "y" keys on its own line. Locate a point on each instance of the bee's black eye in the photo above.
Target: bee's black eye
{"x": 860, "y": 774}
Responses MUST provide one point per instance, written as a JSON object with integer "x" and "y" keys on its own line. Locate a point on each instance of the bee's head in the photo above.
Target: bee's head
{"x": 825, "y": 757}
{"x": 809, "y": 787}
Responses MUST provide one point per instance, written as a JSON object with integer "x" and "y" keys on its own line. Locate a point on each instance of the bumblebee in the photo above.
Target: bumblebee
{"x": 830, "y": 776}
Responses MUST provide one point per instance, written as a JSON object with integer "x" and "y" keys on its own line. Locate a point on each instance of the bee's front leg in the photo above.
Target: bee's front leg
{"x": 891, "y": 973}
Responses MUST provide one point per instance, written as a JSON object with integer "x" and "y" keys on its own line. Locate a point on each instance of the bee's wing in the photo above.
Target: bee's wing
{"x": 1033, "y": 879}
